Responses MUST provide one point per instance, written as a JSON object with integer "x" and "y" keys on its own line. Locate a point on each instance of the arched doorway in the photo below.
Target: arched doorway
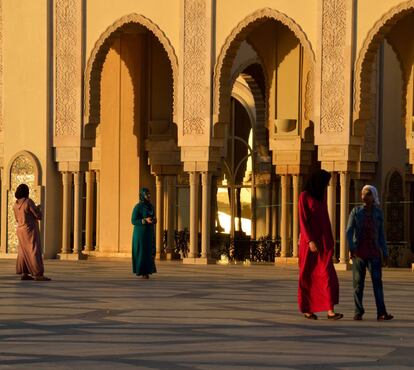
{"x": 286, "y": 85}
{"x": 128, "y": 109}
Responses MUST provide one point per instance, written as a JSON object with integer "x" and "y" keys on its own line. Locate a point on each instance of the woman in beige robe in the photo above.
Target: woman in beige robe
{"x": 29, "y": 258}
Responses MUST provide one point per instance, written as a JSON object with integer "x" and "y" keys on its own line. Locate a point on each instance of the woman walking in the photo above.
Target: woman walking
{"x": 365, "y": 233}
{"x": 29, "y": 257}
{"x": 143, "y": 237}
{"x": 318, "y": 282}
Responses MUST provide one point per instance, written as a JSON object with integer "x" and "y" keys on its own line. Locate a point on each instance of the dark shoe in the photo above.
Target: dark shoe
{"x": 145, "y": 277}
{"x": 358, "y": 317}
{"x": 310, "y": 316}
{"x": 385, "y": 317}
{"x": 337, "y": 316}
{"x": 26, "y": 277}
{"x": 42, "y": 278}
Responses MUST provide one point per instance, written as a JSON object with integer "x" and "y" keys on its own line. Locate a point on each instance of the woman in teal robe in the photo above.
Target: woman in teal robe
{"x": 143, "y": 237}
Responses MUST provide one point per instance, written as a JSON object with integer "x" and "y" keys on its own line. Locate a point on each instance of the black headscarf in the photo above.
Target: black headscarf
{"x": 317, "y": 183}
{"x": 146, "y": 204}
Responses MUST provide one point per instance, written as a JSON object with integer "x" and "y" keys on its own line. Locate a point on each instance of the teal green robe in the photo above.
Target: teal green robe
{"x": 143, "y": 240}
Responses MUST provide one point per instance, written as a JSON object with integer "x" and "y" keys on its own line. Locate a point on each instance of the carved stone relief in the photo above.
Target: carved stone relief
{"x": 68, "y": 67}
{"x": 333, "y": 66}
{"x": 22, "y": 170}
{"x": 195, "y": 94}
{"x": 1, "y": 65}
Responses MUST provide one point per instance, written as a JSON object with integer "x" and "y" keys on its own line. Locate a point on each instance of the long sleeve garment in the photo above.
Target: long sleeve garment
{"x": 143, "y": 240}
{"x": 29, "y": 256}
{"x": 318, "y": 282}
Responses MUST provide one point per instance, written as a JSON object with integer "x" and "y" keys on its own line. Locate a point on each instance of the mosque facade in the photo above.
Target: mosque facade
{"x": 221, "y": 108}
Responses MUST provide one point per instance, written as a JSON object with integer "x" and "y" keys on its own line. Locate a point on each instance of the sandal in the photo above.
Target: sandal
{"x": 385, "y": 317}
{"x": 358, "y": 317}
{"x": 310, "y": 316}
{"x": 337, "y": 316}
{"x": 26, "y": 277}
{"x": 42, "y": 278}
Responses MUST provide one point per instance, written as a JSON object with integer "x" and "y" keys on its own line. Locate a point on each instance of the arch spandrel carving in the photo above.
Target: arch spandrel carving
{"x": 95, "y": 63}
{"x": 228, "y": 51}
{"x": 367, "y": 55}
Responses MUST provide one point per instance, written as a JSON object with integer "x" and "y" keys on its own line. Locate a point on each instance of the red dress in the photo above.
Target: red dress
{"x": 318, "y": 282}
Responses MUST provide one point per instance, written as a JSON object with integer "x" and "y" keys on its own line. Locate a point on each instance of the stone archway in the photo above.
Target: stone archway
{"x": 96, "y": 60}
{"x": 222, "y": 72}
{"x": 367, "y": 54}
{"x": 23, "y": 167}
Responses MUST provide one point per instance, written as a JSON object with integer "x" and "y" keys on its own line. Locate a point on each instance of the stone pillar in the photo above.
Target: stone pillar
{"x": 332, "y": 206}
{"x": 98, "y": 207}
{"x": 159, "y": 182}
{"x": 284, "y": 179}
{"x": 205, "y": 217}
{"x": 343, "y": 256}
{"x": 3, "y": 248}
{"x": 90, "y": 182}
{"x": 77, "y": 214}
{"x": 171, "y": 190}
{"x": 194, "y": 185}
{"x": 269, "y": 210}
{"x": 275, "y": 202}
{"x": 67, "y": 212}
{"x": 295, "y": 230}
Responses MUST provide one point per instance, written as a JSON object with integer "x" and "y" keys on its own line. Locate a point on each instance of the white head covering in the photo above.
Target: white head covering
{"x": 374, "y": 193}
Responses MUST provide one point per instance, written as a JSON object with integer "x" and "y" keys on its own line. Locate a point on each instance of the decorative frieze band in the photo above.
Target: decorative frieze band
{"x": 195, "y": 67}
{"x": 68, "y": 15}
{"x": 1, "y": 65}
{"x": 333, "y": 66}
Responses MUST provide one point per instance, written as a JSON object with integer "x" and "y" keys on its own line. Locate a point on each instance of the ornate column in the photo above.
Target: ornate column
{"x": 66, "y": 212}
{"x": 332, "y": 205}
{"x": 77, "y": 214}
{"x": 171, "y": 190}
{"x": 159, "y": 180}
{"x": 90, "y": 181}
{"x": 194, "y": 185}
{"x": 275, "y": 201}
{"x": 3, "y": 248}
{"x": 98, "y": 208}
{"x": 295, "y": 230}
{"x": 205, "y": 217}
{"x": 269, "y": 211}
{"x": 284, "y": 179}
{"x": 343, "y": 253}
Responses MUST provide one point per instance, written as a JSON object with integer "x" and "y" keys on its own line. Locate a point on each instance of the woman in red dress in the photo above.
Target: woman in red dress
{"x": 318, "y": 282}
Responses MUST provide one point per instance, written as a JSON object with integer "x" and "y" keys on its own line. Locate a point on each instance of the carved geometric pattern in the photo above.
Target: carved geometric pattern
{"x": 1, "y": 65}
{"x": 333, "y": 65}
{"x": 93, "y": 71}
{"x": 395, "y": 208}
{"x": 367, "y": 54}
{"x": 68, "y": 67}
{"x": 309, "y": 96}
{"x": 222, "y": 70}
{"x": 23, "y": 170}
{"x": 194, "y": 68}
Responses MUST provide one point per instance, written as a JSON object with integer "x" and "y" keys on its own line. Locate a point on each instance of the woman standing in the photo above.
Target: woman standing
{"x": 143, "y": 237}
{"x": 29, "y": 258}
{"x": 365, "y": 233}
{"x": 318, "y": 282}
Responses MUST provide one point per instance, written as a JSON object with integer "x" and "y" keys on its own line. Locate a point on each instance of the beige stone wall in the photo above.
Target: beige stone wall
{"x": 27, "y": 101}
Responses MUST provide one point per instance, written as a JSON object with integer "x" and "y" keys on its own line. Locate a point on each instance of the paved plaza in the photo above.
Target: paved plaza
{"x": 97, "y": 315}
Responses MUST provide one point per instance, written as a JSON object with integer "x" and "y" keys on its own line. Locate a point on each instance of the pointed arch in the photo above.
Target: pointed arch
{"x": 222, "y": 70}
{"x": 93, "y": 71}
{"x": 367, "y": 55}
